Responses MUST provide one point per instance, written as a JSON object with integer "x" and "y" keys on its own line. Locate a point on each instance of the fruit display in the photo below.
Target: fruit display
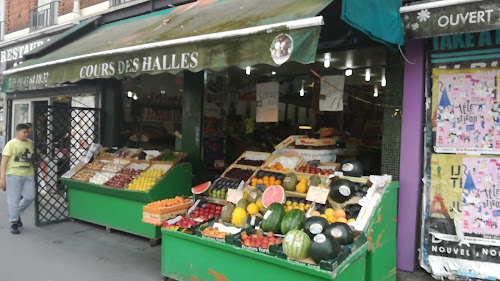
{"x": 207, "y": 211}
{"x": 84, "y": 175}
{"x": 239, "y": 174}
{"x": 314, "y": 169}
{"x": 152, "y": 173}
{"x": 133, "y": 172}
{"x": 96, "y": 165}
{"x": 119, "y": 181}
{"x": 273, "y": 194}
{"x": 169, "y": 202}
{"x": 100, "y": 178}
{"x": 214, "y": 232}
{"x": 283, "y": 164}
{"x": 278, "y": 167}
{"x": 247, "y": 162}
{"x": 142, "y": 183}
{"x": 332, "y": 215}
{"x": 183, "y": 223}
{"x": 296, "y": 244}
{"x": 294, "y": 203}
{"x": 257, "y": 239}
{"x": 113, "y": 168}
{"x": 293, "y": 220}
{"x": 221, "y": 187}
{"x": 272, "y": 218}
{"x": 170, "y": 156}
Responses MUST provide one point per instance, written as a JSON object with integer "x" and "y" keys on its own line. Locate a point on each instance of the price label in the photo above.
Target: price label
{"x": 234, "y": 195}
{"x": 317, "y": 194}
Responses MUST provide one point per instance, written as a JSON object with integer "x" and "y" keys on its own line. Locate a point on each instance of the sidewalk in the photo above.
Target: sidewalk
{"x": 73, "y": 251}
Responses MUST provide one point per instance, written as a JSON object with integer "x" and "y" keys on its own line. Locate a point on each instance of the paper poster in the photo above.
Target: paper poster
{"x": 267, "y": 102}
{"x": 467, "y": 113}
{"x": 332, "y": 98}
{"x": 481, "y": 196}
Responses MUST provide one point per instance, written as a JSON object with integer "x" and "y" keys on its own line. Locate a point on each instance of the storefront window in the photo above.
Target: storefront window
{"x": 152, "y": 111}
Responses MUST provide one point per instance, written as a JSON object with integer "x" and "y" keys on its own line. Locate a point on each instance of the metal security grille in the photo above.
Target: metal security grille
{"x": 62, "y": 136}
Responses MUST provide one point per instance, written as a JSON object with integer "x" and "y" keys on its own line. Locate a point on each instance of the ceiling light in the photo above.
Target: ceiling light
{"x": 304, "y": 127}
{"x": 348, "y": 72}
{"x": 162, "y": 92}
{"x": 130, "y": 94}
{"x": 384, "y": 81}
{"x": 302, "y": 91}
{"x": 375, "y": 92}
{"x": 273, "y": 73}
{"x": 367, "y": 75}
{"x": 248, "y": 70}
{"x": 327, "y": 60}
{"x": 135, "y": 97}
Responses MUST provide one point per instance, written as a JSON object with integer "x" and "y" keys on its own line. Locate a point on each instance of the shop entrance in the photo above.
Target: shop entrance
{"x": 62, "y": 136}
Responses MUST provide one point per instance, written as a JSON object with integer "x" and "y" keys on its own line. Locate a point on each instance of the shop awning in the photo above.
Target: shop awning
{"x": 379, "y": 19}
{"x": 207, "y": 34}
{"x": 446, "y": 17}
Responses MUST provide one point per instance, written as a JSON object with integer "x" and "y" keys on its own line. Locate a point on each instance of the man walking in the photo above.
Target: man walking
{"x": 16, "y": 172}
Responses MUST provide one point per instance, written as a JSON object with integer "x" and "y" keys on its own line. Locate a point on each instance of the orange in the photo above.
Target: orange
{"x": 329, "y": 212}
{"x": 339, "y": 213}
{"x": 331, "y": 219}
{"x": 261, "y": 181}
{"x": 351, "y": 220}
{"x": 342, "y": 220}
{"x": 272, "y": 179}
{"x": 255, "y": 179}
{"x": 315, "y": 214}
{"x": 324, "y": 216}
{"x": 278, "y": 182}
{"x": 287, "y": 170}
{"x": 266, "y": 178}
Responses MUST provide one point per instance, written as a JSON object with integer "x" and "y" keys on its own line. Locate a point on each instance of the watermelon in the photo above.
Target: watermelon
{"x": 341, "y": 231}
{"x": 293, "y": 220}
{"x": 273, "y": 194}
{"x": 199, "y": 189}
{"x": 352, "y": 168}
{"x": 324, "y": 247}
{"x": 272, "y": 218}
{"x": 296, "y": 244}
{"x": 314, "y": 226}
{"x": 342, "y": 190}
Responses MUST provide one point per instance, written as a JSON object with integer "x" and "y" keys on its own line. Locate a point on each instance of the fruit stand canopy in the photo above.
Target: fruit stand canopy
{"x": 207, "y": 34}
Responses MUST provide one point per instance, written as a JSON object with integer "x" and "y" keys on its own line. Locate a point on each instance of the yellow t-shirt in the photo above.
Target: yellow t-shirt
{"x": 20, "y": 153}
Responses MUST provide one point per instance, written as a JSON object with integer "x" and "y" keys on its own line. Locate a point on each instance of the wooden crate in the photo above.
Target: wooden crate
{"x": 253, "y": 155}
{"x": 157, "y": 216}
{"x": 315, "y": 142}
{"x": 288, "y": 141}
{"x": 274, "y": 158}
{"x": 252, "y": 168}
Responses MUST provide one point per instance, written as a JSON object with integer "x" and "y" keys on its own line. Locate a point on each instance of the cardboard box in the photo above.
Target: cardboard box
{"x": 288, "y": 141}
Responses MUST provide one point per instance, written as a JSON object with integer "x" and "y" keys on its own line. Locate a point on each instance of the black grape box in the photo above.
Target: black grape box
{"x": 246, "y": 245}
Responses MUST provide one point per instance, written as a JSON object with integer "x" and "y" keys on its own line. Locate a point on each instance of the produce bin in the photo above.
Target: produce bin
{"x": 188, "y": 257}
{"x": 122, "y": 209}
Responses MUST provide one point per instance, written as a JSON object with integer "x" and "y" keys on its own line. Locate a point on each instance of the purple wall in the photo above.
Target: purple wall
{"x": 411, "y": 155}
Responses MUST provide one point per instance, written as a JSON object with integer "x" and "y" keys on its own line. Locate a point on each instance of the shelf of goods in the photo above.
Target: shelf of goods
{"x": 371, "y": 257}
{"x": 122, "y": 208}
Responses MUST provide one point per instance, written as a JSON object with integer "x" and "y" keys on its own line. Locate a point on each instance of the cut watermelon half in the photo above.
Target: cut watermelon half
{"x": 199, "y": 189}
{"x": 273, "y": 194}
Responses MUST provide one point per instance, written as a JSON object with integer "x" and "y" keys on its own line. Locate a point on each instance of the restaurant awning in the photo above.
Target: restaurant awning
{"x": 445, "y": 17}
{"x": 207, "y": 34}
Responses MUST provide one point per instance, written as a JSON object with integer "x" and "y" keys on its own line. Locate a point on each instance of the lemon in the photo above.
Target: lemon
{"x": 288, "y": 203}
{"x": 295, "y": 204}
{"x": 252, "y": 208}
{"x": 307, "y": 206}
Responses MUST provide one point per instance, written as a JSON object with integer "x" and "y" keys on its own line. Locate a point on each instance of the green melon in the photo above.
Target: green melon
{"x": 227, "y": 212}
{"x": 296, "y": 244}
{"x": 289, "y": 182}
{"x": 314, "y": 180}
{"x": 243, "y": 203}
{"x": 293, "y": 220}
{"x": 272, "y": 218}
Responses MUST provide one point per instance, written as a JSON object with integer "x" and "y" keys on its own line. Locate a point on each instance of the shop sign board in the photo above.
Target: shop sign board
{"x": 10, "y": 55}
{"x": 267, "y": 102}
{"x": 323, "y": 155}
{"x": 451, "y": 19}
{"x": 332, "y": 98}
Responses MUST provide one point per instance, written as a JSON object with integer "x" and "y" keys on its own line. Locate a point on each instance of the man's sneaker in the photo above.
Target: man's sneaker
{"x": 14, "y": 229}
{"x": 19, "y": 223}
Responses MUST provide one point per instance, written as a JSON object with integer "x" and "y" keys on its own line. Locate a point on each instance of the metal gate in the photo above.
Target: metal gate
{"x": 62, "y": 136}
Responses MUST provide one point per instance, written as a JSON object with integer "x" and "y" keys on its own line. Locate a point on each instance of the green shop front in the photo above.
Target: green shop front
{"x": 151, "y": 77}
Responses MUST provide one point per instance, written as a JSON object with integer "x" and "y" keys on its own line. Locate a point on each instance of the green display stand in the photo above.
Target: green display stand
{"x": 188, "y": 257}
{"x": 121, "y": 209}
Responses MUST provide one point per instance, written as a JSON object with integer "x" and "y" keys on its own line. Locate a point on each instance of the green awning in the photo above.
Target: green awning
{"x": 207, "y": 34}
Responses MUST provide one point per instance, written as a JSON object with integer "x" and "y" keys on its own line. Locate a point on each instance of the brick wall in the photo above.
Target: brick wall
{"x": 17, "y": 14}
{"x": 393, "y": 95}
{"x": 65, "y": 7}
{"x": 87, "y": 3}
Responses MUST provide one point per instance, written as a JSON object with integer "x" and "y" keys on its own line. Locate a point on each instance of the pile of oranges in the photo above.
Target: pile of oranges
{"x": 168, "y": 202}
{"x": 268, "y": 181}
{"x": 333, "y": 215}
{"x": 277, "y": 167}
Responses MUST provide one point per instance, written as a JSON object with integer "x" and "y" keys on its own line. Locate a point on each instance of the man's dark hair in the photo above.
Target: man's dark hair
{"x": 21, "y": 127}
{"x": 29, "y": 125}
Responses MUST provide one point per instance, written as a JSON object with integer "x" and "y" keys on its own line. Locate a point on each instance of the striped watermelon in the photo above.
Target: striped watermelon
{"x": 272, "y": 218}
{"x": 293, "y": 220}
{"x": 296, "y": 244}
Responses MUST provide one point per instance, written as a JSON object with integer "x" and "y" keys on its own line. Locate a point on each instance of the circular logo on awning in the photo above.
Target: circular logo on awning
{"x": 281, "y": 48}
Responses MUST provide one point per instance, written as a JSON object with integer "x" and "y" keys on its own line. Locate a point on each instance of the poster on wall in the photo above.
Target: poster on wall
{"x": 466, "y": 116}
{"x": 332, "y": 98}
{"x": 267, "y": 102}
{"x": 481, "y": 197}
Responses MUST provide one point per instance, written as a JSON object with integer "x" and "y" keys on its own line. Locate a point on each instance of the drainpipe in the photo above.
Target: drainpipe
{"x": 2, "y": 19}
{"x": 76, "y": 7}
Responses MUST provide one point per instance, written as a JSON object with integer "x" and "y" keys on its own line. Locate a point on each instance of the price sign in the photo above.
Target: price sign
{"x": 332, "y": 98}
{"x": 234, "y": 195}
{"x": 317, "y": 194}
